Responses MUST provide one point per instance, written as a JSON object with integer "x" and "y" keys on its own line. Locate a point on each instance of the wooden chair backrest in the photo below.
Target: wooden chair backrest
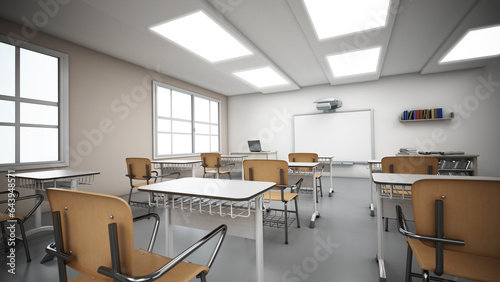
{"x": 266, "y": 170}
{"x": 471, "y": 211}
{"x": 84, "y": 220}
{"x": 410, "y": 164}
{"x": 139, "y": 168}
{"x": 303, "y": 157}
{"x": 210, "y": 160}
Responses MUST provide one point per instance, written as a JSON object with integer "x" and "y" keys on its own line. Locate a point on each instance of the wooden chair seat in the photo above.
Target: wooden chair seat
{"x": 276, "y": 196}
{"x": 458, "y": 264}
{"x": 146, "y": 262}
{"x": 135, "y": 185}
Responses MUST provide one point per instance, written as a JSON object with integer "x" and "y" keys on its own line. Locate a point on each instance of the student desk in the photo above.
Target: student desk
{"x": 41, "y": 180}
{"x": 307, "y": 169}
{"x": 204, "y": 203}
{"x": 390, "y": 200}
{"x": 235, "y": 159}
{"x": 270, "y": 155}
{"x": 176, "y": 165}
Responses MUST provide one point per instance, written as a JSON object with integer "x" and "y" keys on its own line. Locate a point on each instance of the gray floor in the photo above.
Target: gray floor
{"x": 341, "y": 247}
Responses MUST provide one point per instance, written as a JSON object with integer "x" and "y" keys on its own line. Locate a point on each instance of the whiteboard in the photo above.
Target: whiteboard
{"x": 347, "y": 136}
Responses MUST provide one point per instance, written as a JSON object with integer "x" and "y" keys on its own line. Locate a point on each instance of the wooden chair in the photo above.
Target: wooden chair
{"x": 275, "y": 171}
{"x": 407, "y": 165}
{"x": 212, "y": 164}
{"x": 20, "y": 220}
{"x": 457, "y": 229}
{"x": 94, "y": 235}
{"x": 309, "y": 158}
{"x": 140, "y": 169}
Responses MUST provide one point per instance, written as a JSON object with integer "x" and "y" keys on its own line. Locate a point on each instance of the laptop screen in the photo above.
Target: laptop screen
{"x": 254, "y": 145}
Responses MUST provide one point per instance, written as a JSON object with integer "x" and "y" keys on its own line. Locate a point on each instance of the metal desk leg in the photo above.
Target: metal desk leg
{"x": 372, "y": 207}
{"x": 259, "y": 240}
{"x": 380, "y": 254}
{"x": 315, "y": 197}
{"x": 331, "y": 180}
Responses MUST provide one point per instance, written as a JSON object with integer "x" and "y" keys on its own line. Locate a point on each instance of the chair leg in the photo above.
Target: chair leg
{"x": 130, "y": 194}
{"x": 409, "y": 257}
{"x": 425, "y": 276}
{"x": 286, "y": 223}
{"x": 320, "y": 186}
{"x": 202, "y": 276}
{"x": 297, "y": 212}
{"x": 25, "y": 241}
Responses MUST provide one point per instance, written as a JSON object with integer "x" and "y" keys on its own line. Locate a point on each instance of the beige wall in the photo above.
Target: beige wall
{"x": 110, "y": 111}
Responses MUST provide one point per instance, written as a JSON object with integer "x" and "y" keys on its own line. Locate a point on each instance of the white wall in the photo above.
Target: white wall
{"x": 475, "y": 102}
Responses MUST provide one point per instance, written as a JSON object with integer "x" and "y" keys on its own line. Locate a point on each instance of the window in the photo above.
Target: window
{"x": 33, "y": 106}
{"x": 184, "y": 123}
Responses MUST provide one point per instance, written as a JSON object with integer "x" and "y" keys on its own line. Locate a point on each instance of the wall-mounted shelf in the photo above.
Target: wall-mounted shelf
{"x": 431, "y": 119}
{"x": 424, "y": 115}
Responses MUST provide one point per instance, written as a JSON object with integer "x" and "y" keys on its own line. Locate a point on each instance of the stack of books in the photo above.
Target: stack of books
{"x": 422, "y": 114}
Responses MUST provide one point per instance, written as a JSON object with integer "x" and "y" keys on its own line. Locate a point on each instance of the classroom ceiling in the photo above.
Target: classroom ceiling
{"x": 417, "y": 35}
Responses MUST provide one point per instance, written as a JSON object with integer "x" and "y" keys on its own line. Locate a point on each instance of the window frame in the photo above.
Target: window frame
{"x": 62, "y": 107}
{"x": 193, "y": 121}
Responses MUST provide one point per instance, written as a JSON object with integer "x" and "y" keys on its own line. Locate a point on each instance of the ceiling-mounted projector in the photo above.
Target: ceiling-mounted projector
{"x": 328, "y": 104}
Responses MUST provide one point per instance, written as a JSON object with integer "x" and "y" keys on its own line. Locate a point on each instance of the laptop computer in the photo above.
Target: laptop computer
{"x": 254, "y": 146}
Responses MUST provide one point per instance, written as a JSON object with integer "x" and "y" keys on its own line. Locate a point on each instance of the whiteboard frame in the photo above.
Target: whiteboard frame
{"x": 372, "y": 134}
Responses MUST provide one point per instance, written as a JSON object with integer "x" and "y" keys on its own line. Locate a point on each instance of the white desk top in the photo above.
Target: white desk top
{"x": 54, "y": 174}
{"x": 174, "y": 161}
{"x": 409, "y": 179}
{"x": 261, "y": 152}
{"x": 302, "y": 164}
{"x": 224, "y": 189}
{"x": 234, "y": 156}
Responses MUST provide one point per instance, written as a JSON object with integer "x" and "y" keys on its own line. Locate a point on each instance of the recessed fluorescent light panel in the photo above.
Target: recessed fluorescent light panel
{"x": 262, "y": 77}
{"x": 339, "y": 17}
{"x": 476, "y": 44}
{"x": 353, "y": 63}
{"x": 198, "y": 33}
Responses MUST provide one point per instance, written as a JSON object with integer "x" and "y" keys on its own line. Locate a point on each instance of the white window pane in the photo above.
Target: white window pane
{"x": 7, "y": 111}
{"x": 182, "y": 144}
{"x": 164, "y": 144}
{"x": 181, "y": 126}
{"x": 8, "y": 144}
{"x": 163, "y": 125}
{"x": 39, "y": 114}
{"x": 39, "y": 76}
{"x": 214, "y": 112}
{"x": 7, "y": 69}
{"x": 214, "y": 130}
{"x": 163, "y": 101}
{"x": 214, "y": 144}
{"x": 201, "y": 109}
{"x": 202, "y": 143}
{"x": 39, "y": 144}
{"x": 202, "y": 128}
{"x": 181, "y": 105}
